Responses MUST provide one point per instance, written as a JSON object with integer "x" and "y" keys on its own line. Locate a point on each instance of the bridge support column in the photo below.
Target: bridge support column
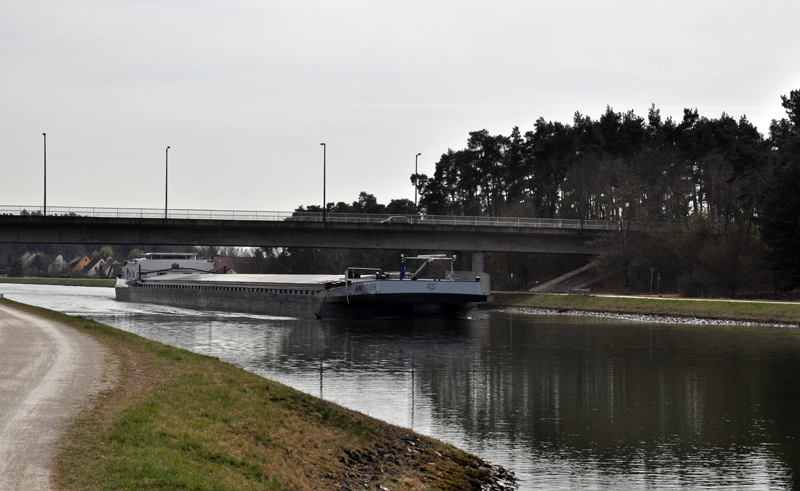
{"x": 477, "y": 262}
{"x": 477, "y": 270}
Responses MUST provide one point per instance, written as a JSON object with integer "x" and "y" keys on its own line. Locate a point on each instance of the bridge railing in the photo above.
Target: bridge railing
{"x": 394, "y": 220}
{"x": 100, "y": 212}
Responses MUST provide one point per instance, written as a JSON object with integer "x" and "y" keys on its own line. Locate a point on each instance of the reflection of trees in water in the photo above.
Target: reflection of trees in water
{"x": 619, "y": 391}
{"x": 375, "y": 346}
{"x": 384, "y": 343}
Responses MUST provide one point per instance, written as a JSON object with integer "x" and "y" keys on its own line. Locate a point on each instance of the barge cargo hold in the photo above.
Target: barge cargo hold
{"x": 359, "y": 293}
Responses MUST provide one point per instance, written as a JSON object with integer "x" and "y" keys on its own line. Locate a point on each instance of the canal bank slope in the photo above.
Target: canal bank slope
{"x": 179, "y": 420}
{"x": 678, "y": 309}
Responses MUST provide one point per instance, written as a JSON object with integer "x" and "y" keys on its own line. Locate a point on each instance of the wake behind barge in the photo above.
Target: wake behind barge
{"x": 182, "y": 280}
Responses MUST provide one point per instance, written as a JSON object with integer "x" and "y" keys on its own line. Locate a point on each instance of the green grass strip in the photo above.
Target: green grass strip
{"x": 59, "y": 281}
{"x": 731, "y": 310}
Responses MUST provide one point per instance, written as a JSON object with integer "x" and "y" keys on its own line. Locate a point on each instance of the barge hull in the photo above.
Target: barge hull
{"x": 304, "y": 306}
{"x": 371, "y": 299}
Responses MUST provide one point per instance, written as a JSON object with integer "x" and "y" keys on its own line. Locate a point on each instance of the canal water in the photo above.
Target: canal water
{"x": 566, "y": 402}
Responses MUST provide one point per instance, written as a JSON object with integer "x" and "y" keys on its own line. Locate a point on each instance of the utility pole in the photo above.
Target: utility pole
{"x": 583, "y": 185}
{"x": 166, "y": 183}
{"x": 44, "y": 208}
{"x": 416, "y": 171}
{"x": 324, "y": 170}
{"x": 583, "y": 189}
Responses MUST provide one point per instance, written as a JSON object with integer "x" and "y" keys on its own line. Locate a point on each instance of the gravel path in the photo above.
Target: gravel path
{"x": 48, "y": 372}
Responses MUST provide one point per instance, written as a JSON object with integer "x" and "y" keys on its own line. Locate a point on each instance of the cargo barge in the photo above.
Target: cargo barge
{"x": 183, "y": 280}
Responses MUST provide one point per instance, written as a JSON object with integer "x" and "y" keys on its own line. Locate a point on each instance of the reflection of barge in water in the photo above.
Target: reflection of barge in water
{"x": 182, "y": 280}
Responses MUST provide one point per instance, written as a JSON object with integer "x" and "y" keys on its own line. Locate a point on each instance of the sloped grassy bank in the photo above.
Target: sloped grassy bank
{"x": 737, "y": 311}
{"x": 179, "y": 420}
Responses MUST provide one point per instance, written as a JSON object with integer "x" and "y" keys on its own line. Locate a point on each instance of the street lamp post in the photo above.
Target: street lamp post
{"x": 44, "y": 208}
{"x": 583, "y": 190}
{"x": 416, "y": 161}
{"x": 324, "y": 170}
{"x": 666, "y": 194}
{"x": 583, "y": 186}
{"x": 166, "y": 182}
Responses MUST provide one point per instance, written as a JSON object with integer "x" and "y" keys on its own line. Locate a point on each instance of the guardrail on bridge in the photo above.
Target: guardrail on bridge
{"x": 188, "y": 214}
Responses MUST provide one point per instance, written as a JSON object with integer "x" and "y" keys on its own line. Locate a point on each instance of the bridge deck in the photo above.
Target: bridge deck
{"x": 283, "y": 229}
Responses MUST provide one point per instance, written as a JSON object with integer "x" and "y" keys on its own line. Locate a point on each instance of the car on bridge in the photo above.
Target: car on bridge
{"x": 396, "y": 219}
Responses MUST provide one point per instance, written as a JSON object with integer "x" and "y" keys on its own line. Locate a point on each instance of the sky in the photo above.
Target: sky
{"x": 243, "y": 92}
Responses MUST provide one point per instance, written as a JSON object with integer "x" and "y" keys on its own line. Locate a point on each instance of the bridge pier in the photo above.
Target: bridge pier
{"x": 477, "y": 271}
{"x": 477, "y": 262}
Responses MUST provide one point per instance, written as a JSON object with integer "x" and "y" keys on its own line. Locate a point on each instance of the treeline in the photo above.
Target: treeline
{"x": 621, "y": 167}
{"x": 366, "y": 203}
{"x": 720, "y": 201}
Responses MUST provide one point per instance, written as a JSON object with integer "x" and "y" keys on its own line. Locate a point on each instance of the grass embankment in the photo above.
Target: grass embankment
{"x": 742, "y": 311}
{"x": 59, "y": 281}
{"x": 178, "y": 420}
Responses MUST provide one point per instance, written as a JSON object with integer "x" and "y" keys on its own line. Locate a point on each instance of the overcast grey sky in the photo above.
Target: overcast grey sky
{"x": 244, "y": 91}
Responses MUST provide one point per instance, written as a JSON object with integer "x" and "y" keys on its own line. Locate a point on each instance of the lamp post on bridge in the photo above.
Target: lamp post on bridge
{"x": 416, "y": 171}
{"x": 166, "y": 182}
{"x": 44, "y": 208}
{"x": 666, "y": 194}
{"x": 583, "y": 187}
{"x": 324, "y": 165}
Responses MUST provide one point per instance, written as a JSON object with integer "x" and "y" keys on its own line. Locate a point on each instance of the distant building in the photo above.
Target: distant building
{"x": 224, "y": 265}
{"x": 56, "y": 265}
{"x": 27, "y": 259}
{"x": 79, "y": 262}
{"x": 94, "y": 266}
{"x": 112, "y": 268}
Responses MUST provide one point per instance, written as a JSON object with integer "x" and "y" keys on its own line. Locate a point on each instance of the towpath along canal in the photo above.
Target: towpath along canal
{"x": 48, "y": 371}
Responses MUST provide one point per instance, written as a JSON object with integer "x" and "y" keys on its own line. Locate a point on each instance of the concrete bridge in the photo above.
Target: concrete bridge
{"x": 61, "y": 225}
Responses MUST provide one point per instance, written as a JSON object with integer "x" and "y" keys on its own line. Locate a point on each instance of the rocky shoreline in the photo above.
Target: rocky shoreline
{"x": 501, "y": 479}
{"x": 645, "y": 318}
{"x": 364, "y": 468}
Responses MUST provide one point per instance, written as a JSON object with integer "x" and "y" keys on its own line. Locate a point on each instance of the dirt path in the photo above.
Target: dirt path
{"x": 48, "y": 371}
